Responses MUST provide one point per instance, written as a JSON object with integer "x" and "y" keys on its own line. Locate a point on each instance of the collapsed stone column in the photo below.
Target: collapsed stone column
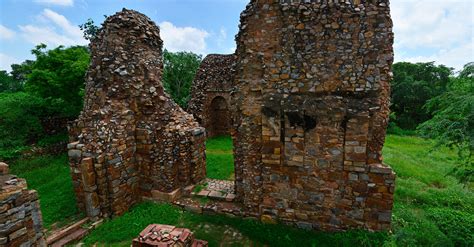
{"x": 21, "y": 223}
{"x": 210, "y": 94}
{"x": 310, "y": 112}
{"x": 131, "y": 139}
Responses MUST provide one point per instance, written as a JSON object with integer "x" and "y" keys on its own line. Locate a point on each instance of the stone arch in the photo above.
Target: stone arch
{"x": 219, "y": 117}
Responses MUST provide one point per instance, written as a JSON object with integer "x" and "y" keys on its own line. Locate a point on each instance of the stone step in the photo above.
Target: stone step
{"x": 215, "y": 189}
{"x": 73, "y": 237}
{"x": 65, "y": 231}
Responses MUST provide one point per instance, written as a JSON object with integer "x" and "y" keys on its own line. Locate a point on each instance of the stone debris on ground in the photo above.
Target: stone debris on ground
{"x": 217, "y": 189}
{"x": 167, "y": 236}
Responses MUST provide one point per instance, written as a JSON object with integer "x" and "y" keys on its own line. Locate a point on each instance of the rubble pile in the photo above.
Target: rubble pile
{"x": 167, "y": 236}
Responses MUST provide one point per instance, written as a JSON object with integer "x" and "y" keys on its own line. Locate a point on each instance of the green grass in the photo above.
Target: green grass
{"x": 120, "y": 231}
{"x": 220, "y": 158}
{"x": 50, "y": 176}
{"x": 431, "y": 208}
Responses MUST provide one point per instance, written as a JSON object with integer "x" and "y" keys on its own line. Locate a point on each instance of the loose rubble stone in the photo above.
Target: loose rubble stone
{"x": 131, "y": 138}
{"x": 21, "y": 223}
{"x": 167, "y": 236}
{"x": 310, "y": 109}
{"x": 210, "y": 94}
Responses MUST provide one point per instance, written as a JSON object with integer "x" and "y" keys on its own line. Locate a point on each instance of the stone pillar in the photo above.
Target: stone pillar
{"x": 131, "y": 138}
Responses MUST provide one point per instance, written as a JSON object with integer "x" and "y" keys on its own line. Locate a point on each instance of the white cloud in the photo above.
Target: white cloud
{"x": 6, "y": 61}
{"x": 6, "y": 33}
{"x": 183, "y": 38}
{"x": 57, "y": 2}
{"x": 221, "y": 37}
{"x": 63, "y": 23}
{"x": 443, "y": 26}
{"x": 455, "y": 57}
{"x": 56, "y": 30}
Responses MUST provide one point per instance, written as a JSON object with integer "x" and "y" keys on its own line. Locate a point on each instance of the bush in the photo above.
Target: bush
{"x": 20, "y": 124}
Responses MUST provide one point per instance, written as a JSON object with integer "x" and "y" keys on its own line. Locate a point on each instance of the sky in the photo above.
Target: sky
{"x": 425, "y": 30}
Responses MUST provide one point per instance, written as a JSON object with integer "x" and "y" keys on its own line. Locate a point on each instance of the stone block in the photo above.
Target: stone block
{"x": 166, "y": 197}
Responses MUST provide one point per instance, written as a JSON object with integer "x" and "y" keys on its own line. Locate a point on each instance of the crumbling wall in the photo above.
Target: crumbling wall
{"x": 210, "y": 94}
{"x": 131, "y": 138}
{"x": 310, "y": 112}
{"x": 21, "y": 223}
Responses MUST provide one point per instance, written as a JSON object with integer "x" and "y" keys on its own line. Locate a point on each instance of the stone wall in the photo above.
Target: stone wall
{"x": 310, "y": 112}
{"x": 131, "y": 140}
{"x": 210, "y": 94}
{"x": 20, "y": 216}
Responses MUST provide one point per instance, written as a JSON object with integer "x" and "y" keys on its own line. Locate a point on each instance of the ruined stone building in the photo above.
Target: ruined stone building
{"x": 21, "y": 223}
{"x": 309, "y": 97}
{"x": 311, "y": 109}
{"x": 131, "y": 140}
{"x": 210, "y": 94}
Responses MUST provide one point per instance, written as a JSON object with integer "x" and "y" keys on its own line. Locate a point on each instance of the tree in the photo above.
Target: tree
{"x": 452, "y": 124}
{"x": 21, "y": 71}
{"x": 8, "y": 83}
{"x": 179, "y": 71}
{"x": 89, "y": 29}
{"x": 20, "y": 122}
{"x": 57, "y": 76}
{"x": 413, "y": 85}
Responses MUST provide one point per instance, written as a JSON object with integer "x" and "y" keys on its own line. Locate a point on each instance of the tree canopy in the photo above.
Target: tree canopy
{"x": 57, "y": 76}
{"x": 412, "y": 86}
{"x": 179, "y": 71}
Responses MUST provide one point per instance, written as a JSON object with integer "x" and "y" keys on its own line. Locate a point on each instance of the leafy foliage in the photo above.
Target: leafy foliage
{"x": 178, "y": 75}
{"x": 412, "y": 86}
{"x": 20, "y": 122}
{"x": 89, "y": 29}
{"x": 57, "y": 76}
{"x": 452, "y": 124}
{"x": 8, "y": 83}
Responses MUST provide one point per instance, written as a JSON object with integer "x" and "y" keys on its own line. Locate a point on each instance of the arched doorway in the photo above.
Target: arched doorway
{"x": 219, "y": 117}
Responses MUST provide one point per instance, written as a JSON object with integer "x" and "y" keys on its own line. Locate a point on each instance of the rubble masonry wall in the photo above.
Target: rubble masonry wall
{"x": 310, "y": 112}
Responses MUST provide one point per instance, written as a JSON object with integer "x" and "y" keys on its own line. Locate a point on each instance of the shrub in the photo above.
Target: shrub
{"x": 20, "y": 123}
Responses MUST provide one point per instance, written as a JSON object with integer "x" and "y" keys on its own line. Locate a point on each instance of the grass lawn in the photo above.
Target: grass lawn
{"x": 50, "y": 176}
{"x": 431, "y": 207}
{"x": 220, "y": 158}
